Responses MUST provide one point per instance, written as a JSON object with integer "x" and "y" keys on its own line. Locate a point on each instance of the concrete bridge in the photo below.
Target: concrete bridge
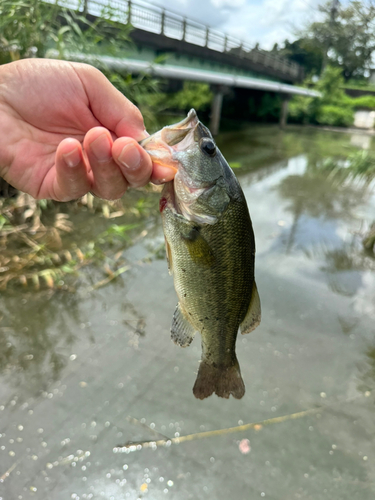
{"x": 191, "y": 51}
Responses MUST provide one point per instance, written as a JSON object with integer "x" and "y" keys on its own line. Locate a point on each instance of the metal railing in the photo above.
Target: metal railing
{"x": 172, "y": 25}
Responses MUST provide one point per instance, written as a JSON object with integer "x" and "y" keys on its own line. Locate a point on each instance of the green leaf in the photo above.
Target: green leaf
{"x": 235, "y": 164}
{"x": 3, "y": 221}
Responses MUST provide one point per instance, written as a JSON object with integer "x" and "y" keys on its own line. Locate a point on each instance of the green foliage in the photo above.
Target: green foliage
{"x": 193, "y": 94}
{"x": 333, "y": 108}
{"x": 117, "y": 232}
{"x": 3, "y": 221}
{"x": 345, "y": 36}
{"x": 146, "y": 92}
{"x": 266, "y": 108}
{"x": 334, "y": 116}
{"x": 362, "y": 164}
{"x": 359, "y": 164}
{"x": 270, "y": 105}
{"x": 25, "y": 27}
{"x": 78, "y": 34}
{"x": 32, "y": 27}
{"x": 302, "y": 51}
{"x": 330, "y": 85}
{"x": 301, "y": 109}
{"x": 365, "y": 101}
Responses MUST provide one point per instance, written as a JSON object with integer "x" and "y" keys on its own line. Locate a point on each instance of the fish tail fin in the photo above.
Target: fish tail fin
{"x": 222, "y": 381}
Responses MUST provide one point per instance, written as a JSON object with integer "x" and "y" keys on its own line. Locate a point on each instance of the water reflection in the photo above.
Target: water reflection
{"x": 361, "y": 141}
{"x": 316, "y": 194}
{"x": 35, "y": 339}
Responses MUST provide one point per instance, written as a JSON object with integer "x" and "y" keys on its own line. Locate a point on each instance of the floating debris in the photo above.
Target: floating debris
{"x": 166, "y": 442}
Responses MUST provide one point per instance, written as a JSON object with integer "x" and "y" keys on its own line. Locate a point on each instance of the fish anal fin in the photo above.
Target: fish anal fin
{"x": 182, "y": 332}
{"x": 223, "y": 381}
{"x": 199, "y": 250}
{"x": 253, "y": 315}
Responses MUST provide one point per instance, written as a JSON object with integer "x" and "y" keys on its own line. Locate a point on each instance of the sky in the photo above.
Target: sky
{"x": 262, "y": 21}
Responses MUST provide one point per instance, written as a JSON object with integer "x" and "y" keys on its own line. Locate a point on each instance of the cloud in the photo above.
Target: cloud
{"x": 271, "y": 21}
{"x": 228, "y": 3}
{"x": 255, "y": 21}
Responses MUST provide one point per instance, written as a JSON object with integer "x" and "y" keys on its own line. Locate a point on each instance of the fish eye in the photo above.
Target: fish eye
{"x": 207, "y": 145}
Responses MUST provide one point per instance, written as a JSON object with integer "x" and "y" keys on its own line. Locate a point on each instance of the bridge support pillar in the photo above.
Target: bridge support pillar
{"x": 284, "y": 110}
{"x": 216, "y": 106}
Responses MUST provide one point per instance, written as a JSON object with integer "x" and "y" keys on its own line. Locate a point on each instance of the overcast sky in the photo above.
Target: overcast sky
{"x": 263, "y": 21}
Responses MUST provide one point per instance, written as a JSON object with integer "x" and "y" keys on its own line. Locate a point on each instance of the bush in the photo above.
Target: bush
{"x": 300, "y": 109}
{"x": 335, "y": 116}
{"x": 365, "y": 101}
{"x": 193, "y": 95}
{"x": 333, "y": 108}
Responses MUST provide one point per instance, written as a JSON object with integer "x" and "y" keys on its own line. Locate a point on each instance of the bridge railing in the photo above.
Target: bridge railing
{"x": 155, "y": 19}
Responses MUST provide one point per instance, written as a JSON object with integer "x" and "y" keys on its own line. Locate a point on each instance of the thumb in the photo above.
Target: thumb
{"x": 111, "y": 108}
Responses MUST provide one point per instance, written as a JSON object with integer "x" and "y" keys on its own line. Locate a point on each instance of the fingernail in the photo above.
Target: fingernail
{"x": 130, "y": 157}
{"x": 101, "y": 148}
{"x": 73, "y": 158}
{"x": 159, "y": 181}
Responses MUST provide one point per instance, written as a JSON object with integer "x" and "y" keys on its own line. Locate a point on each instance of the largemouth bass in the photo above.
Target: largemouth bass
{"x": 210, "y": 248}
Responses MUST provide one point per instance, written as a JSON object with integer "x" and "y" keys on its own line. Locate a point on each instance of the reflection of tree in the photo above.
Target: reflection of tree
{"x": 368, "y": 371}
{"x": 39, "y": 333}
{"x": 350, "y": 257}
{"x": 317, "y": 194}
{"x": 33, "y": 337}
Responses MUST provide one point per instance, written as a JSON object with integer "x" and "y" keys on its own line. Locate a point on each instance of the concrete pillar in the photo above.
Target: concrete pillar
{"x": 217, "y": 103}
{"x": 284, "y": 111}
{"x": 162, "y": 24}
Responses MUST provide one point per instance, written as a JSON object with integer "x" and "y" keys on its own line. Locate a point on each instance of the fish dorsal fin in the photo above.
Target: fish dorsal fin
{"x": 182, "y": 332}
{"x": 199, "y": 250}
{"x": 253, "y": 315}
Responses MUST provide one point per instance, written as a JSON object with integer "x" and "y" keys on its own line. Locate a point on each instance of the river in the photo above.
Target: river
{"x": 86, "y": 371}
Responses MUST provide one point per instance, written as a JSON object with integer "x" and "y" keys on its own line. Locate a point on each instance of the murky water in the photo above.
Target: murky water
{"x": 75, "y": 366}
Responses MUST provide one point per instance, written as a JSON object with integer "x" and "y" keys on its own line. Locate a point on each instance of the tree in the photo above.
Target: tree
{"x": 345, "y": 35}
{"x": 304, "y": 51}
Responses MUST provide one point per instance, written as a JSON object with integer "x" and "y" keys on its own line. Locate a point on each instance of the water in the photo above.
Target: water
{"x": 75, "y": 366}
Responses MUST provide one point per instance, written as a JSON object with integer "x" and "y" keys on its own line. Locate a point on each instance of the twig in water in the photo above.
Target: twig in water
{"x": 7, "y": 473}
{"x": 135, "y": 446}
{"x": 110, "y": 278}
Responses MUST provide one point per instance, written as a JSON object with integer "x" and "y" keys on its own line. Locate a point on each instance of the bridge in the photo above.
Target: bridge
{"x": 191, "y": 51}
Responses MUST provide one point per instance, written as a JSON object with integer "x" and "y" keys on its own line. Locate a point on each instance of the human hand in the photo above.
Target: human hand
{"x": 50, "y": 109}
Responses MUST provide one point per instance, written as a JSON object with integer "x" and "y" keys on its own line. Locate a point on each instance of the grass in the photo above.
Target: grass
{"x": 42, "y": 245}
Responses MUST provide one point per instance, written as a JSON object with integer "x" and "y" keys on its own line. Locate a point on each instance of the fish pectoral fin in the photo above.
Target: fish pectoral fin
{"x": 253, "y": 315}
{"x": 168, "y": 251}
{"x": 199, "y": 250}
{"x": 182, "y": 332}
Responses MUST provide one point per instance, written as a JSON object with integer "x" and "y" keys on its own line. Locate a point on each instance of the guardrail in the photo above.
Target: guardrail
{"x": 172, "y": 25}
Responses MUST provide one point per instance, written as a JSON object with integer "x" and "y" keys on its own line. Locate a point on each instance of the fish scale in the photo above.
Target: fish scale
{"x": 222, "y": 291}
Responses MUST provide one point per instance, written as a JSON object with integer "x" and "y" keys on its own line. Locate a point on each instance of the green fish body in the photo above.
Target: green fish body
{"x": 210, "y": 248}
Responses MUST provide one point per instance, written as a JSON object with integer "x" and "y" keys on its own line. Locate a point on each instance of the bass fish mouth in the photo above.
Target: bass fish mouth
{"x": 173, "y": 138}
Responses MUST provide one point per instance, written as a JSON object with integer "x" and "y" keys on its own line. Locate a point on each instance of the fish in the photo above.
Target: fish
{"x": 210, "y": 250}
